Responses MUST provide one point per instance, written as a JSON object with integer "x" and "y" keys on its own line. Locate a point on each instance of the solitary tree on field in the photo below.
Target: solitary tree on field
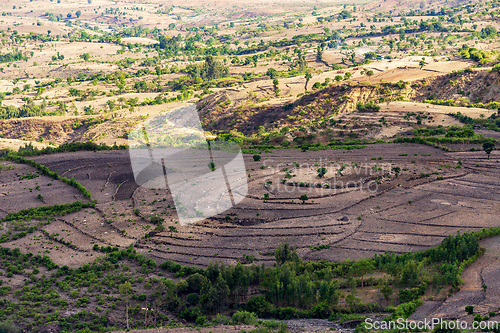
{"x": 488, "y": 147}
{"x": 85, "y": 56}
{"x": 304, "y": 198}
{"x": 422, "y": 63}
{"x": 308, "y": 77}
{"x": 321, "y": 172}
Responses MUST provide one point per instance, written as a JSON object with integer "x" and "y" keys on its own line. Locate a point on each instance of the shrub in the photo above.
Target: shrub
{"x": 244, "y": 317}
{"x": 155, "y": 219}
{"x": 8, "y": 327}
{"x": 368, "y": 107}
{"x": 321, "y": 172}
{"x": 256, "y": 157}
{"x": 201, "y": 320}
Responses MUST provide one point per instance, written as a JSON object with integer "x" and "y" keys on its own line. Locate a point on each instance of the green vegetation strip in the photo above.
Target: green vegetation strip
{"x": 48, "y": 211}
{"x": 29, "y": 150}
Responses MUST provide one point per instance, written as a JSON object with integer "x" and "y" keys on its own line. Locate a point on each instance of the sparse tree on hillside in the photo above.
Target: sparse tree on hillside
{"x": 284, "y": 252}
{"x": 422, "y": 63}
{"x": 304, "y": 198}
{"x": 321, "y": 172}
{"x": 125, "y": 289}
{"x": 212, "y": 69}
{"x": 308, "y": 77}
{"x": 488, "y": 147}
{"x": 85, "y": 56}
{"x": 275, "y": 84}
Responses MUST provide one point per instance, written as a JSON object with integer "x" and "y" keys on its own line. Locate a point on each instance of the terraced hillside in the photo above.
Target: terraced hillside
{"x": 404, "y": 198}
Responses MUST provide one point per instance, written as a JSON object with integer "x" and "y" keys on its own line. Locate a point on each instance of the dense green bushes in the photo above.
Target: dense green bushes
{"x": 29, "y": 150}
{"x": 47, "y": 211}
{"x": 12, "y": 56}
{"x": 290, "y": 289}
{"x": 464, "y": 102}
{"x": 491, "y": 123}
{"x": 368, "y": 107}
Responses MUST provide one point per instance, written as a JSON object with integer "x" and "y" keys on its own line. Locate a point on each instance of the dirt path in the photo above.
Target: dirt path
{"x": 485, "y": 270}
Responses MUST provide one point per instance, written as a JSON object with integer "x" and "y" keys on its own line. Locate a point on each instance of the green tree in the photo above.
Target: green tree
{"x": 284, "y": 253}
{"x": 410, "y": 274}
{"x": 222, "y": 290}
{"x": 386, "y": 292}
{"x": 85, "y": 56}
{"x": 212, "y": 69}
{"x": 125, "y": 290}
{"x": 321, "y": 172}
{"x": 172, "y": 229}
{"x": 488, "y": 147}
{"x": 422, "y": 63}
{"x": 78, "y": 13}
{"x": 307, "y": 77}
{"x": 362, "y": 267}
{"x": 304, "y": 198}
{"x": 272, "y": 73}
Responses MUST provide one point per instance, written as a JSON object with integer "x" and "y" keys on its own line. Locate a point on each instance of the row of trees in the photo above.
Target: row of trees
{"x": 291, "y": 288}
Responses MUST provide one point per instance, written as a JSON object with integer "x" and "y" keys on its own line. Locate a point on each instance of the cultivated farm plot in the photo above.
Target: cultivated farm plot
{"x": 23, "y": 187}
{"x": 359, "y": 208}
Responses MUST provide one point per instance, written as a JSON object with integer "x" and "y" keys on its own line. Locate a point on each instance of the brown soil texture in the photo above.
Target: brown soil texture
{"x": 379, "y": 212}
